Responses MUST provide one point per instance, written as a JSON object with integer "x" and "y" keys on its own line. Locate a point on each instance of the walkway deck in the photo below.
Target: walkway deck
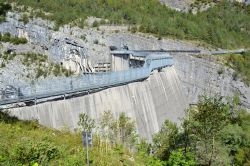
{"x": 72, "y": 85}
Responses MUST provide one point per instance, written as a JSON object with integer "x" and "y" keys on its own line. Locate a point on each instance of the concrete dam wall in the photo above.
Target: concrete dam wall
{"x": 149, "y": 103}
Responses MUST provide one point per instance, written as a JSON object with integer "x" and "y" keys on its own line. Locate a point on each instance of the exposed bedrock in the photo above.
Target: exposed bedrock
{"x": 201, "y": 76}
{"x": 149, "y": 103}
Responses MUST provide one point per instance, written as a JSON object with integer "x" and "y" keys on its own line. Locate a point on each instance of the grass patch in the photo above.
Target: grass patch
{"x": 42, "y": 67}
{"x": 14, "y": 40}
{"x": 39, "y": 63}
{"x": 24, "y": 18}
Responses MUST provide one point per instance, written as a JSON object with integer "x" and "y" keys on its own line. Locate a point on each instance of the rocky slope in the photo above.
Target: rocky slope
{"x": 92, "y": 43}
{"x": 178, "y": 4}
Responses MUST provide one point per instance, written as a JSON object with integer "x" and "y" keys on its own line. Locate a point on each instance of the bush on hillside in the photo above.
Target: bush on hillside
{"x": 14, "y": 40}
{"x": 3, "y": 10}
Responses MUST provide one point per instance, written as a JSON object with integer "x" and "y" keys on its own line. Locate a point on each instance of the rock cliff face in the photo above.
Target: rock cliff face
{"x": 200, "y": 76}
{"x": 149, "y": 103}
{"x": 178, "y": 4}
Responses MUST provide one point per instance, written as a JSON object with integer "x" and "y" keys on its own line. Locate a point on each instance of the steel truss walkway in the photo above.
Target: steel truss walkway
{"x": 85, "y": 83}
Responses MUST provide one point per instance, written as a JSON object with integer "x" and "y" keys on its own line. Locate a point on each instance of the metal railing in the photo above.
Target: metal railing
{"x": 70, "y": 85}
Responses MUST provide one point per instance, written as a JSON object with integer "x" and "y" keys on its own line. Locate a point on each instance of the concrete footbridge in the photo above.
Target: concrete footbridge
{"x": 126, "y": 67}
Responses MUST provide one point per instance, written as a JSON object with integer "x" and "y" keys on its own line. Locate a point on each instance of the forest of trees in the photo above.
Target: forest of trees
{"x": 226, "y": 25}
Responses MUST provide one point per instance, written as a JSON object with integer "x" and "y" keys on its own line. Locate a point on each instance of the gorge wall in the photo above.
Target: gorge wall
{"x": 201, "y": 76}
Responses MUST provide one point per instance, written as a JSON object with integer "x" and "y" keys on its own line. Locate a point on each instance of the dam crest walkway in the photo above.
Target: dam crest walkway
{"x": 85, "y": 83}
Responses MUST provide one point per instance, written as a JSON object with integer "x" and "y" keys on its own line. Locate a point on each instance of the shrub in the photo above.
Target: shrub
{"x": 235, "y": 76}
{"x": 133, "y": 29}
{"x": 24, "y": 18}
{"x": 178, "y": 158}
{"x": 57, "y": 70}
{"x": 96, "y": 41}
{"x": 66, "y": 72}
{"x": 40, "y": 72}
{"x": 221, "y": 71}
{"x": 17, "y": 41}
{"x": 103, "y": 21}
{"x": 6, "y": 37}
{"x": 240, "y": 63}
{"x": 3, "y": 10}
{"x": 29, "y": 152}
{"x": 5, "y": 57}
{"x": 95, "y": 24}
{"x": 3, "y": 65}
{"x": 14, "y": 40}
{"x": 83, "y": 37}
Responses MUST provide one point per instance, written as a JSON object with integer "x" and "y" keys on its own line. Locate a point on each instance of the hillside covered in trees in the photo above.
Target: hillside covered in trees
{"x": 226, "y": 25}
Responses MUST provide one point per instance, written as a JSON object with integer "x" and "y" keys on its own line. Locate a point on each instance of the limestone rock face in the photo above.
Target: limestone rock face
{"x": 149, "y": 103}
{"x": 200, "y": 76}
{"x": 178, "y": 4}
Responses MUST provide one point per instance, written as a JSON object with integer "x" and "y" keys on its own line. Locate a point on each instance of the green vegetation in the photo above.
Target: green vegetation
{"x": 240, "y": 63}
{"x": 27, "y": 143}
{"x": 24, "y": 18}
{"x": 14, "y": 40}
{"x": 6, "y": 57}
{"x": 199, "y": 3}
{"x": 42, "y": 67}
{"x": 3, "y": 10}
{"x": 221, "y": 71}
{"x": 85, "y": 123}
{"x": 214, "y": 26}
{"x": 213, "y": 133}
{"x": 38, "y": 63}
{"x": 96, "y": 24}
